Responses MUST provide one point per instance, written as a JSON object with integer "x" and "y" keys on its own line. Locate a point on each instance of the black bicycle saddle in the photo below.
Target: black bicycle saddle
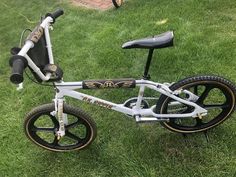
{"x": 156, "y": 42}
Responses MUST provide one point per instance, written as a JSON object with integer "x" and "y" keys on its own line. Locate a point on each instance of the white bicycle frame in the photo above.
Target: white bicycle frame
{"x": 140, "y": 114}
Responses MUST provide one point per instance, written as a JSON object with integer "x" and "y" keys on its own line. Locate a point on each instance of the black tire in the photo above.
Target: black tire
{"x": 40, "y": 127}
{"x": 215, "y": 94}
{"x": 117, "y": 3}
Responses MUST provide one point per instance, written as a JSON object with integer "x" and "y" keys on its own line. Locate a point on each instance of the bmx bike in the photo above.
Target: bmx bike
{"x": 194, "y": 104}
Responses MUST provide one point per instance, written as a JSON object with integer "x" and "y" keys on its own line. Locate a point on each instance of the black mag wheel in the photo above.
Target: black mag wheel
{"x": 215, "y": 94}
{"x": 41, "y": 126}
{"x": 117, "y": 3}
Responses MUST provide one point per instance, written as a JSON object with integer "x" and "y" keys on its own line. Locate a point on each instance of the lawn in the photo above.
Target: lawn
{"x": 87, "y": 45}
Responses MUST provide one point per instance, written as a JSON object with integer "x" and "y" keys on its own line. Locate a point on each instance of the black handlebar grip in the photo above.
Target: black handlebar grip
{"x": 57, "y": 14}
{"x": 18, "y": 64}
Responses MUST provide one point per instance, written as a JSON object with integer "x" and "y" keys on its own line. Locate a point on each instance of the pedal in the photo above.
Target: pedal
{"x": 185, "y": 137}
{"x": 199, "y": 116}
{"x": 145, "y": 122}
{"x": 163, "y": 119}
{"x": 151, "y": 120}
{"x": 206, "y": 136}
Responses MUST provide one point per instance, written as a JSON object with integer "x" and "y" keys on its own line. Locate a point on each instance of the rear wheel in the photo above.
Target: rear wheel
{"x": 117, "y": 3}
{"x": 215, "y": 94}
{"x": 41, "y": 126}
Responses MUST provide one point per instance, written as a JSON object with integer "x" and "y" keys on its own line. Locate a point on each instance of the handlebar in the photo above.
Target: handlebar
{"x": 20, "y": 61}
{"x": 18, "y": 64}
{"x": 55, "y": 14}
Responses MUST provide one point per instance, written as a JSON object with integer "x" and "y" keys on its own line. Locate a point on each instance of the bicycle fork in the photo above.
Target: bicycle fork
{"x": 61, "y": 117}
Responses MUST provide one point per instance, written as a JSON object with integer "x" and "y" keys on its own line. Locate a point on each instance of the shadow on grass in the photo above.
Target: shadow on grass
{"x": 143, "y": 151}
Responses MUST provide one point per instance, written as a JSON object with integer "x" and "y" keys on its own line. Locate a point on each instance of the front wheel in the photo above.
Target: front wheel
{"x": 41, "y": 126}
{"x": 213, "y": 93}
{"x": 117, "y": 3}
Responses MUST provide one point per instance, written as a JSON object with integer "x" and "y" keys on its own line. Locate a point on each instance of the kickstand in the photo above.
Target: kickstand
{"x": 185, "y": 138}
{"x": 206, "y": 136}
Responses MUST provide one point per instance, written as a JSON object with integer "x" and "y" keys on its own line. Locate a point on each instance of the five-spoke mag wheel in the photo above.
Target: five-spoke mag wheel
{"x": 41, "y": 126}
{"x": 215, "y": 94}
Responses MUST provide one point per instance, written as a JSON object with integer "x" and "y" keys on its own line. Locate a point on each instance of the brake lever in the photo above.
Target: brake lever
{"x": 20, "y": 87}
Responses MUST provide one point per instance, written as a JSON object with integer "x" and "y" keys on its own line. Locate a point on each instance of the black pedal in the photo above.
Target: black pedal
{"x": 206, "y": 136}
{"x": 185, "y": 137}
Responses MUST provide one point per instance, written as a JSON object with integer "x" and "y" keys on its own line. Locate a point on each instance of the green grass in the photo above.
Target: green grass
{"x": 86, "y": 45}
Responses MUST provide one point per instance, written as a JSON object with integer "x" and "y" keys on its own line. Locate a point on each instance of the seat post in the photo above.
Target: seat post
{"x": 146, "y": 76}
